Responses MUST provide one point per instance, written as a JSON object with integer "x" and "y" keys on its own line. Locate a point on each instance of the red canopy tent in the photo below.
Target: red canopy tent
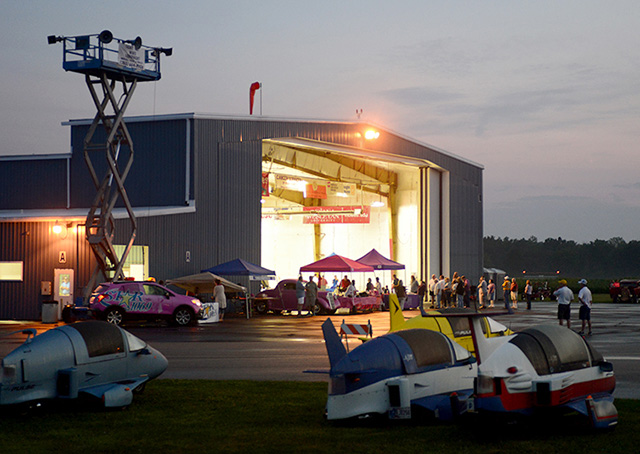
{"x": 336, "y": 263}
{"x": 379, "y": 262}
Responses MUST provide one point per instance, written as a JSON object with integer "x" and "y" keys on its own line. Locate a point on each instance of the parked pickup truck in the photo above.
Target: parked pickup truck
{"x": 283, "y": 298}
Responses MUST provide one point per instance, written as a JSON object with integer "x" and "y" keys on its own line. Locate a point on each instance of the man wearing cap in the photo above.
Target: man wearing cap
{"x": 584, "y": 296}
{"x": 564, "y": 295}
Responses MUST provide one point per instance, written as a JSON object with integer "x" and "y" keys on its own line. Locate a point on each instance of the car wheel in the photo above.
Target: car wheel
{"x": 183, "y": 316}
{"x": 261, "y": 307}
{"x": 114, "y": 316}
{"x": 317, "y": 309}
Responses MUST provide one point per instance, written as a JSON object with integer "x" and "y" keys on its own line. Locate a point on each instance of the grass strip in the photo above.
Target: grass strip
{"x": 185, "y": 416}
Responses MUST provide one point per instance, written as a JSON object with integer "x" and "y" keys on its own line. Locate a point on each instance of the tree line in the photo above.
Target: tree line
{"x": 603, "y": 259}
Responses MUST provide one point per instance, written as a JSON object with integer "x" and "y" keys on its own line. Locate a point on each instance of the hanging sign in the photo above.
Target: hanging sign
{"x": 331, "y": 215}
{"x": 265, "y": 184}
{"x": 291, "y": 183}
{"x": 130, "y": 57}
{"x": 341, "y": 189}
{"x": 316, "y": 190}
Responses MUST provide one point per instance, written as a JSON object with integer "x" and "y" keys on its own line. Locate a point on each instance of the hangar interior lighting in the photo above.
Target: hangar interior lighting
{"x": 378, "y": 203}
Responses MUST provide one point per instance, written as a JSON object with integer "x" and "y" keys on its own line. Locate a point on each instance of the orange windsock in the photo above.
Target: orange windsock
{"x": 252, "y": 91}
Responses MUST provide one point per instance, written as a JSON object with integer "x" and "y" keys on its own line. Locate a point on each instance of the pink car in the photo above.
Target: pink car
{"x": 125, "y": 300}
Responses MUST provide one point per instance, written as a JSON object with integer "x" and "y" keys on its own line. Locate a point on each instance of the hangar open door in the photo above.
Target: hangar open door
{"x": 321, "y": 198}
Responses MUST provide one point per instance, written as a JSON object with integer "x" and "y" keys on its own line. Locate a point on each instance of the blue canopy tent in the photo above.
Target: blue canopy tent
{"x": 239, "y": 267}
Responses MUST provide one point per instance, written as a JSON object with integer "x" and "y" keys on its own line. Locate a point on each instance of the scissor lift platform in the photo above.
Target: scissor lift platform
{"x": 117, "y": 59}
{"x": 107, "y": 62}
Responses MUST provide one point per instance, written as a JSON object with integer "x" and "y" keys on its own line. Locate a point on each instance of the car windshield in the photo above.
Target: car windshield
{"x": 135, "y": 344}
{"x": 101, "y": 288}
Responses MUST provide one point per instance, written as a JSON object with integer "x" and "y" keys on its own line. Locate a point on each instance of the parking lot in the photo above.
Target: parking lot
{"x": 282, "y": 347}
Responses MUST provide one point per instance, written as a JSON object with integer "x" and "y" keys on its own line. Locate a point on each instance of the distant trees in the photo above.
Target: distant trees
{"x": 606, "y": 259}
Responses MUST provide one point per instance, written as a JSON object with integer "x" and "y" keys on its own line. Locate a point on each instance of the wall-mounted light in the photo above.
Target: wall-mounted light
{"x": 62, "y": 228}
{"x": 371, "y": 134}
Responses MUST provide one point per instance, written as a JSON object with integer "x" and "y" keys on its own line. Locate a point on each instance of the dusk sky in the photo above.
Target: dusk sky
{"x": 544, "y": 94}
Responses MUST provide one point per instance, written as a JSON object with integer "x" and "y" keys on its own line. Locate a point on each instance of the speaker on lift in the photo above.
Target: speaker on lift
{"x": 105, "y": 36}
{"x": 137, "y": 43}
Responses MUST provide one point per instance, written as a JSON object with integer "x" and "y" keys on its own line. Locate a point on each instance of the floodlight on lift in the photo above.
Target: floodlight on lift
{"x": 52, "y": 39}
{"x": 168, "y": 51}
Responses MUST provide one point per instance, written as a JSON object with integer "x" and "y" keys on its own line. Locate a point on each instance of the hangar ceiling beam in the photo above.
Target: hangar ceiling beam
{"x": 389, "y": 178}
{"x": 361, "y": 166}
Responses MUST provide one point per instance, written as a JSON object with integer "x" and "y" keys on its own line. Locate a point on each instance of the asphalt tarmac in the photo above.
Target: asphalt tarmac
{"x": 282, "y": 347}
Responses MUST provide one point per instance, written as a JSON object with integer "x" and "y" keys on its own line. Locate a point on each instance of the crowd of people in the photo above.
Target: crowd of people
{"x": 442, "y": 292}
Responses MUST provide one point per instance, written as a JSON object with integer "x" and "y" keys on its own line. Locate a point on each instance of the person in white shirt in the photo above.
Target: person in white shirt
{"x": 528, "y": 291}
{"x": 584, "y": 296}
{"x": 439, "y": 289}
{"x": 432, "y": 289}
{"x": 378, "y": 286}
{"x": 219, "y": 297}
{"x": 351, "y": 290}
{"x": 564, "y": 296}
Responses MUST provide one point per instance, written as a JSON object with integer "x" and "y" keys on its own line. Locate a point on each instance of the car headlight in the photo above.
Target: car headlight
{"x": 197, "y": 302}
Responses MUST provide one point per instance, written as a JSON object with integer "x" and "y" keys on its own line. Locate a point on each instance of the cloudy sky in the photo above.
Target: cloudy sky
{"x": 544, "y": 94}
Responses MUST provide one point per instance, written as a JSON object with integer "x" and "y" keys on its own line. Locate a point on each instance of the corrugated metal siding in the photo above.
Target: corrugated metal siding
{"x": 31, "y": 184}
{"x": 38, "y": 247}
{"x": 239, "y": 212}
{"x": 157, "y": 175}
{"x": 466, "y": 227}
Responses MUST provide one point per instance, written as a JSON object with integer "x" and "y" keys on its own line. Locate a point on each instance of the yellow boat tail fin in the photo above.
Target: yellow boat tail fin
{"x": 396, "y": 318}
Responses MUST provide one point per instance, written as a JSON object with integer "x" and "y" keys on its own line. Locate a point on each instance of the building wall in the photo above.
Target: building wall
{"x": 158, "y": 172}
{"x": 19, "y": 179}
{"x": 39, "y": 248}
{"x": 222, "y": 171}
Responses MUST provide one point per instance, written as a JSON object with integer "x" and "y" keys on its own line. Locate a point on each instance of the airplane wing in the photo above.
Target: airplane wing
{"x": 116, "y": 394}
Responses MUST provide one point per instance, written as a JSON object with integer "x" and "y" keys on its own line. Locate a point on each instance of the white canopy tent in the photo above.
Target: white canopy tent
{"x": 204, "y": 282}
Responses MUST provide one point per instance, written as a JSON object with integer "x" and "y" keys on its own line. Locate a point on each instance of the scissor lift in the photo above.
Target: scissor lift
{"x": 106, "y": 62}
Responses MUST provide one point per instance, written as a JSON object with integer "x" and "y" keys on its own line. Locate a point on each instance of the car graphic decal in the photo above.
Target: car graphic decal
{"x": 131, "y": 301}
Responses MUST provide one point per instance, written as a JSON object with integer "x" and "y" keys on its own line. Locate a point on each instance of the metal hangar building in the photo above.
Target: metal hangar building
{"x": 207, "y": 189}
